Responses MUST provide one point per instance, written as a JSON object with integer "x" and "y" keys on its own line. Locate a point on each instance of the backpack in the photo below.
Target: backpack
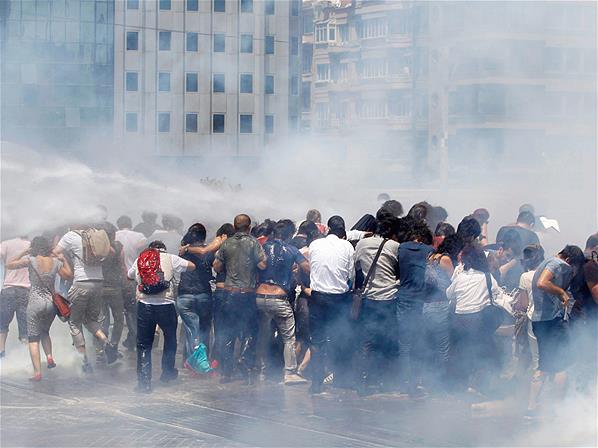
{"x": 95, "y": 244}
{"x": 150, "y": 272}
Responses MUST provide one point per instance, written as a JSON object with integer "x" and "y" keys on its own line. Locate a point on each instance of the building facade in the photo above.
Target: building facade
{"x": 57, "y": 64}
{"x": 195, "y": 77}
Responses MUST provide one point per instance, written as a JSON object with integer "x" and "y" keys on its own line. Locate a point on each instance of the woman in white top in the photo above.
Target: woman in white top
{"x": 475, "y": 317}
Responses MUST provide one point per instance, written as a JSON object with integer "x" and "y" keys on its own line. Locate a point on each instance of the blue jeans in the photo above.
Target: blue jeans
{"x": 436, "y": 322}
{"x": 196, "y": 313}
{"x": 409, "y": 315}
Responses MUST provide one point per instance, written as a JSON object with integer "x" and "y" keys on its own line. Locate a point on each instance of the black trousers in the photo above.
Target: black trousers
{"x": 332, "y": 336}
{"x": 148, "y": 316}
{"x": 237, "y": 318}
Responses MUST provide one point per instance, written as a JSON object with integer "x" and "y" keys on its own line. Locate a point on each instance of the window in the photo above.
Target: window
{"x": 246, "y": 43}
{"x": 373, "y": 109}
{"x": 322, "y": 115}
{"x": 340, "y": 72}
{"x": 219, "y": 6}
{"x": 191, "y": 82}
{"x": 192, "y": 5}
{"x": 164, "y": 5}
{"x": 246, "y": 83}
{"x": 308, "y": 24}
{"x": 294, "y": 46}
{"x": 323, "y": 72}
{"x": 269, "y": 84}
{"x": 295, "y": 7}
{"x": 269, "y": 7}
{"x": 164, "y": 38}
{"x": 325, "y": 32}
{"x": 132, "y": 4}
{"x": 218, "y": 124}
{"x": 191, "y": 122}
{"x": 131, "y": 82}
{"x": 269, "y": 42}
{"x": 164, "y": 122}
{"x": 294, "y": 87}
{"x": 374, "y": 68}
{"x": 218, "y": 83}
{"x": 372, "y": 28}
{"x": 164, "y": 82}
{"x": 192, "y": 42}
{"x": 132, "y": 40}
{"x": 269, "y": 124}
{"x": 246, "y": 124}
{"x": 219, "y": 43}
{"x": 246, "y": 5}
{"x": 131, "y": 121}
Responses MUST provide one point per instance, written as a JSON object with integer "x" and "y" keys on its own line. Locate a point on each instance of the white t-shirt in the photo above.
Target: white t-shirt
{"x": 331, "y": 265}
{"x": 470, "y": 292}
{"x": 179, "y": 265}
{"x": 133, "y": 242}
{"x": 525, "y": 284}
{"x": 73, "y": 246}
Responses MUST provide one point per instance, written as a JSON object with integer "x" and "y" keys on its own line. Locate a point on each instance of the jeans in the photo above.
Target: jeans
{"x": 218, "y": 296}
{"x": 112, "y": 299}
{"x": 378, "y": 340}
{"x": 331, "y": 336}
{"x": 436, "y": 344}
{"x": 196, "y": 313}
{"x": 13, "y": 300}
{"x": 280, "y": 311}
{"x": 130, "y": 306}
{"x": 148, "y": 316}
{"x": 238, "y": 316}
{"x": 409, "y": 316}
{"x": 86, "y": 309}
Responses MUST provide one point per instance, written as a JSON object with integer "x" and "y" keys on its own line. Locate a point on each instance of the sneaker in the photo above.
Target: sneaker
{"x": 51, "y": 363}
{"x": 169, "y": 376}
{"x": 293, "y": 378}
{"x": 36, "y": 378}
{"x": 329, "y": 379}
{"x": 111, "y": 353}
{"x": 86, "y": 367}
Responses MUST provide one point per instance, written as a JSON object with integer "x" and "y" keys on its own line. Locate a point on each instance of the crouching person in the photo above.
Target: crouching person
{"x": 156, "y": 273}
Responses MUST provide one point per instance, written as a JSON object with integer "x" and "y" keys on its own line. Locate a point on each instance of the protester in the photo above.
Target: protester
{"x": 157, "y": 308}
{"x": 443, "y": 229}
{"x": 391, "y": 207}
{"x": 15, "y": 291}
{"x": 315, "y": 216}
{"x": 148, "y": 225}
{"x": 332, "y": 272}
{"x": 40, "y": 308}
{"x": 482, "y": 216}
{"x": 523, "y": 227}
{"x": 508, "y": 257}
{"x": 170, "y": 234}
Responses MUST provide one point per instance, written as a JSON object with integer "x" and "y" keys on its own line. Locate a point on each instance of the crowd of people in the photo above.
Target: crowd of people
{"x": 396, "y": 303}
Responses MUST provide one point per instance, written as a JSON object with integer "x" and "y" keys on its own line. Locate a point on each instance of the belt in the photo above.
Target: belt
{"x": 272, "y": 296}
{"x": 240, "y": 290}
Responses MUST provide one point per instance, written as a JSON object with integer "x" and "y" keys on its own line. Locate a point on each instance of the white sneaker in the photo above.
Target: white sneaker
{"x": 293, "y": 378}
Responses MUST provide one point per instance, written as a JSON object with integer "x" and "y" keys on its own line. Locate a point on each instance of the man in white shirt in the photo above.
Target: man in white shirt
{"x": 157, "y": 309}
{"x": 332, "y": 272}
{"x": 133, "y": 243}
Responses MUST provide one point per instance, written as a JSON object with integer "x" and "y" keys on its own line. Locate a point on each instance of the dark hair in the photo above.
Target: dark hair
{"x": 473, "y": 257}
{"x": 264, "y": 229}
{"x": 436, "y": 215}
{"x": 444, "y": 229}
{"x": 242, "y": 223}
{"x": 309, "y": 229}
{"x": 367, "y": 223}
{"x": 336, "y": 226}
{"x": 404, "y": 226}
{"x": 284, "y": 229}
{"x": 527, "y": 208}
{"x": 526, "y": 217}
{"x": 40, "y": 246}
{"x": 124, "y": 222}
{"x": 592, "y": 241}
{"x": 226, "y": 229}
{"x": 481, "y": 215}
{"x": 313, "y": 215}
{"x": 533, "y": 256}
{"x": 573, "y": 255}
{"x": 451, "y": 245}
{"x": 469, "y": 229}
{"x": 147, "y": 216}
{"x": 419, "y": 211}
{"x": 196, "y": 234}
{"x": 511, "y": 240}
{"x": 393, "y": 207}
{"x": 421, "y": 233}
{"x": 157, "y": 244}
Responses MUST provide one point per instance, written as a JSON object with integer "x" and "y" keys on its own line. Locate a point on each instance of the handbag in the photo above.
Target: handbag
{"x": 359, "y": 293}
{"x": 501, "y": 304}
{"x": 62, "y": 305}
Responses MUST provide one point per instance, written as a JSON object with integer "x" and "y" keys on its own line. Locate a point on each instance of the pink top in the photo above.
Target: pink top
{"x": 9, "y": 250}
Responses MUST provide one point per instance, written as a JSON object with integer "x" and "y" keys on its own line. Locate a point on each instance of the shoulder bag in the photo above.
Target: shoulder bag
{"x": 62, "y": 305}
{"x": 358, "y": 294}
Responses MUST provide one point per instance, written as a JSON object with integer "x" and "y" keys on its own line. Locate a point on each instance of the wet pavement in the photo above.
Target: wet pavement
{"x": 69, "y": 409}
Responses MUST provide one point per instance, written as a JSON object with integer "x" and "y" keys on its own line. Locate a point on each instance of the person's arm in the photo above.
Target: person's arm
{"x": 507, "y": 267}
{"x": 218, "y": 265}
{"x": 131, "y": 272}
{"x": 261, "y": 257}
{"x": 65, "y": 272}
{"x": 203, "y": 250}
{"x": 57, "y": 250}
{"x": 304, "y": 265}
{"x": 190, "y": 266}
{"x": 446, "y": 264}
{"x": 545, "y": 284}
{"x": 18, "y": 263}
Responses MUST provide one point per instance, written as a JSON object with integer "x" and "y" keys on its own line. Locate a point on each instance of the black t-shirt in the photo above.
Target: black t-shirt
{"x": 197, "y": 281}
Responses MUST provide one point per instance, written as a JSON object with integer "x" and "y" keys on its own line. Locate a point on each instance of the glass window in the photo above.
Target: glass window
{"x": 164, "y": 122}
{"x": 219, "y": 6}
{"x": 269, "y": 84}
{"x": 246, "y": 5}
{"x": 132, "y": 40}
{"x": 192, "y": 5}
{"x": 269, "y": 124}
{"x": 269, "y": 42}
{"x": 294, "y": 46}
{"x": 218, "y": 83}
{"x": 164, "y": 38}
{"x": 246, "y": 43}
{"x": 218, "y": 124}
{"x": 245, "y": 124}
{"x": 132, "y": 82}
{"x": 294, "y": 85}
{"x": 164, "y": 82}
{"x": 295, "y": 7}
{"x": 192, "y": 42}
{"x": 131, "y": 121}
{"x": 269, "y": 8}
{"x": 132, "y": 4}
{"x": 219, "y": 44}
{"x": 191, "y": 82}
{"x": 323, "y": 72}
{"x": 246, "y": 83}
{"x": 165, "y": 5}
{"x": 191, "y": 122}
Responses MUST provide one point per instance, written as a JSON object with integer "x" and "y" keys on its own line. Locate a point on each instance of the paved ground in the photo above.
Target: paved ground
{"x": 67, "y": 409}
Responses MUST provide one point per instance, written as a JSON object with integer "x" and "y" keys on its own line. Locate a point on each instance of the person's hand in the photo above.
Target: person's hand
{"x": 565, "y": 299}
{"x": 183, "y": 250}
